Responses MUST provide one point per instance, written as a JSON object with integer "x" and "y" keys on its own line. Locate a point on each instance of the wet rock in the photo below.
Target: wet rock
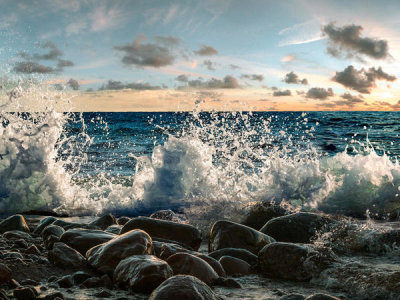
{"x": 52, "y": 230}
{"x": 21, "y": 244}
{"x": 84, "y": 239}
{"x": 292, "y": 297}
{"x": 295, "y": 228}
{"x": 123, "y": 220}
{"x": 66, "y": 282}
{"x": 25, "y": 293}
{"x": 115, "y": 229}
{"x": 182, "y": 233}
{"x": 96, "y": 282}
{"x": 183, "y": 287}
{"x": 43, "y": 224}
{"x": 5, "y": 273}
{"x": 64, "y": 256}
{"x": 242, "y": 254}
{"x": 32, "y": 250}
{"x": 54, "y": 296}
{"x": 226, "y": 234}
{"x": 104, "y": 221}
{"x": 295, "y": 262}
{"x": 29, "y": 282}
{"x": 187, "y": 264}
{"x": 168, "y": 215}
{"x": 12, "y": 255}
{"x": 142, "y": 273}
{"x": 103, "y": 294}
{"x": 16, "y": 234}
{"x": 50, "y": 241}
{"x": 105, "y": 257}
{"x": 261, "y": 213}
{"x": 235, "y": 266}
{"x": 228, "y": 282}
{"x": 168, "y": 249}
{"x": 321, "y": 297}
{"x": 215, "y": 264}
{"x": 16, "y": 222}
{"x": 3, "y": 295}
{"x": 80, "y": 277}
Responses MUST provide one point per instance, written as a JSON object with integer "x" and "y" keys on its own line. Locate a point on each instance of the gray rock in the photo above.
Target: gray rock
{"x": 84, "y": 239}
{"x": 261, "y": 213}
{"x": 187, "y": 264}
{"x": 123, "y": 220}
{"x": 104, "y": 221}
{"x": 64, "y": 256}
{"x": 295, "y": 228}
{"x": 80, "y": 277}
{"x": 16, "y": 222}
{"x": 142, "y": 273}
{"x": 235, "y": 266}
{"x": 183, "y": 287}
{"x": 16, "y": 234}
{"x": 242, "y": 254}
{"x": 182, "y": 233}
{"x": 215, "y": 264}
{"x": 226, "y": 234}
{"x": 52, "y": 230}
{"x": 105, "y": 257}
{"x": 43, "y": 224}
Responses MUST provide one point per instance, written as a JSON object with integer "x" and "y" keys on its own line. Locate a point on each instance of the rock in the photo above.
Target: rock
{"x": 29, "y": 282}
{"x": 168, "y": 249}
{"x": 43, "y": 224}
{"x": 96, "y": 282}
{"x": 84, "y": 239}
{"x": 32, "y": 250}
{"x": 3, "y": 295}
{"x": 103, "y": 294}
{"x": 321, "y": 297}
{"x": 292, "y": 297}
{"x": 80, "y": 277}
{"x": 183, "y": 287}
{"x": 235, "y": 266}
{"x": 5, "y": 273}
{"x": 168, "y": 215}
{"x": 16, "y": 222}
{"x": 66, "y": 282}
{"x": 104, "y": 221}
{"x": 55, "y": 230}
{"x": 64, "y": 256}
{"x": 20, "y": 244}
{"x": 215, "y": 264}
{"x": 261, "y": 213}
{"x": 295, "y": 228}
{"x": 242, "y": 254}
{"x": 25, "y": 293}
{"x": 182, "y": 233}
{"x": 50, "y": 241}
{"x": 115, "y": 229}
{"x": 12, "y": 255}
{"x": 187, "y": 264}
{"x": 228, "y": 282}
{"x": 123, "y": 220}
{"x": 142, "y": 273}
{"x": 226, "y": 234}
{"x": 16, "y": 234}
{"x": 54, "y": 296}
{"x": 295, "y": 262}
{"x": 105, "y": 257}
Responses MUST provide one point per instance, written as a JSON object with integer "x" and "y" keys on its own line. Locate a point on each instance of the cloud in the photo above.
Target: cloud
{"x": 64, "y": 63}
{"x": 282, "y": 93}
{"x": 293, "y": 78}
{"x": 54, "y": 53}
{"x": 119, "y": 85}
{"x": 361, "y": 80}
{"x": 255, "y": 77}
{"x": 209, "y": 64}
{"x": 168, "y": 40}
{"x": 182, "y": 78}
{"x": 146, "y": 55}
{"x": 234, "y": 67}
{"x": 347, "y": 42}
{"x": 228, "y": 82}
{"x": 206, "y": 50}
{"x": 319, "y": 93}
{"x": 350, "y": 100}
{"x": 29, "y": 67}
{"x": 73, "y": 84}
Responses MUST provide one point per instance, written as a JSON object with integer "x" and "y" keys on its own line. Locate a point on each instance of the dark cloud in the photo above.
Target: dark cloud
{"x": 62, "y": 63}
{"x": 73, "y": 84}
{"x": 168, "y": 40}
{"x": 256, "y": 77}
{"x": 29, "y": 67}
{"x": 213, "y": 96}
{"x": 182, "y": 78}
{"x": 293, "y": 78}
{"x": 347, "y": 40}
{"x": 209, "y": 64}
{"x": 282, "y": 93}
{"x": 146, "y": 55}
{"x": 228, "y": 82}
{"x": 234, "y": 67}
{"x": 350, "y": 100}
{"x": 319, "y": 93}
{"x": 361, "y": 80}
{"x": 206, "y": 50}
{"x": 118, "y": 85}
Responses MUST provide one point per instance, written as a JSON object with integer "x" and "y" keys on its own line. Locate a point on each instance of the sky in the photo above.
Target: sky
{"x": 221, "y": 54}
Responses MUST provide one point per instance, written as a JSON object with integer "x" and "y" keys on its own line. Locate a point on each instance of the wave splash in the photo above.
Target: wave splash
{"x": 217, "y": 164}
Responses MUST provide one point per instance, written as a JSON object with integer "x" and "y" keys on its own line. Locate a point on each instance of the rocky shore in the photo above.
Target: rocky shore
{"x": 272, "y": 254}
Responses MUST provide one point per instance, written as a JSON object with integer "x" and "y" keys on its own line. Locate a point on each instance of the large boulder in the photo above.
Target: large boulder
{"x": 261, "y": 213}
{"x": 52, "y": 230}
{"x": 105, "y": 257}
{"x": 84, "y": 239}
{"x": 16, "y": 222}
{"x": 183, "y": 287}
{"x": 169, "y": 249}
{"x": 242, "y": 254}
{"x": 187, "y": 264}
{"x": 5, "y": 273}
{"x": 64, "y": 256}
{"x": 226, "y": 234}
{"x": 215, "y": 264}
{"x": 104, "y": 221}
{"x": 142, "y": 273}
{"x": 296, "y": 262}
{"x": 295, "y": 228}
{"x": 235, "y": 266}
{"x": 182, "y": 233}
{"x": 43, "y": 224}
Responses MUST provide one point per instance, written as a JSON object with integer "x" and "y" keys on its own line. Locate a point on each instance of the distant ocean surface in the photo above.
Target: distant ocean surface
{"x": 127, "y": 163}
